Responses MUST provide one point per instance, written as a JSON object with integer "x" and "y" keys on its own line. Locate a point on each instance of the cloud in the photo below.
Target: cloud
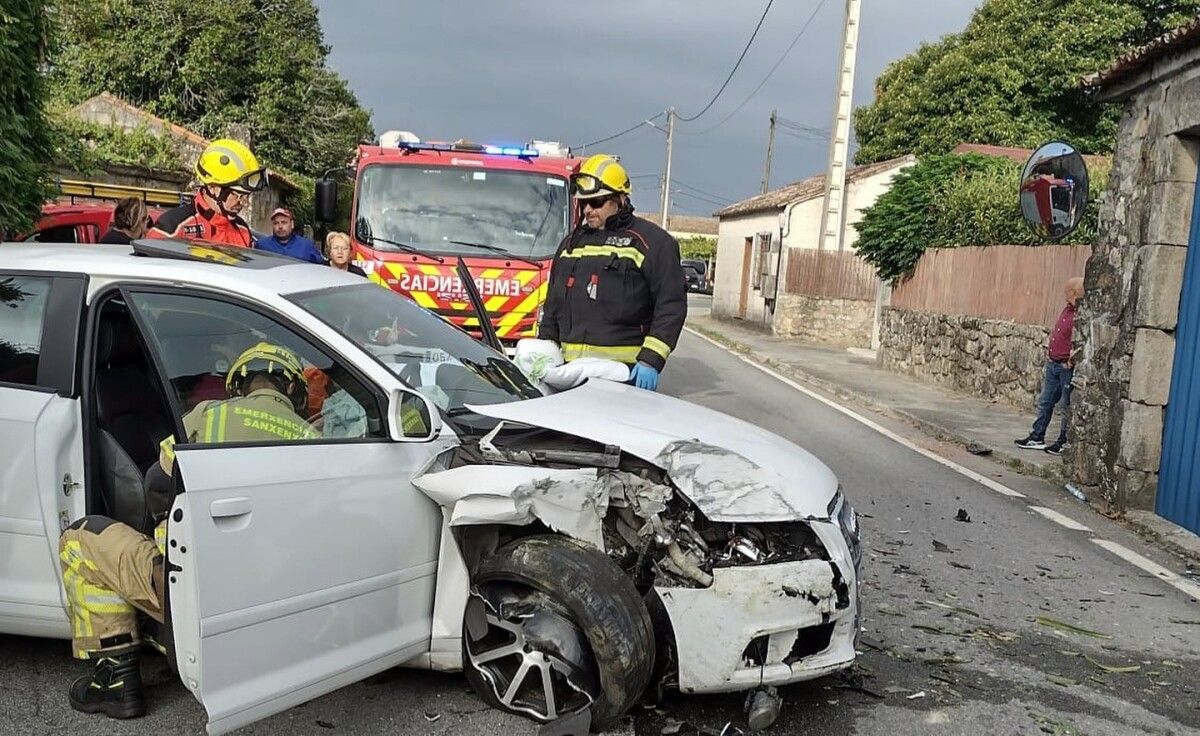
{"x": 574, "y": 72}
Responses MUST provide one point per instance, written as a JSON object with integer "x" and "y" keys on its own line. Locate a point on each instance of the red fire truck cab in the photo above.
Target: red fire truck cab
{"x": 503, "y": 209}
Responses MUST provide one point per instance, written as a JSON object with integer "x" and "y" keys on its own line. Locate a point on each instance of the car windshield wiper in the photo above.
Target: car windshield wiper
{"x": 497, "y": 249}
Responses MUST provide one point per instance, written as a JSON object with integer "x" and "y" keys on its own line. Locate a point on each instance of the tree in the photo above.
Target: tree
{"x": 946, "y": 201}
{"x": 1012, "y": 77}
{"x": 210, "y": 65}
{"x": 25, "y": 138}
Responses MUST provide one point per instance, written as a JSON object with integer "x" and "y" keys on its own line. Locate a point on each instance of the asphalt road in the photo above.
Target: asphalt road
{"x": 952, "y": 643}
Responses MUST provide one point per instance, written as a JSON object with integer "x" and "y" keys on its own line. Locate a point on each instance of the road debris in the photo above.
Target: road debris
{"x": 1113, "y": 668}
{"x": 977, "y": 449}
{"x": 960, "y": 565}
{"x": 762, "y": 708}
{"x": 939, "y": 547}
{"x": 1062, "y": 681}
{"x": 955, "y": 609}
{"x": 1184, "y": 621}
{"x": 963, "y": 516}
{"x": 1070, "y": 628}
{"x": 1073, "y": 489}
{"x": 433, "y": 717}
{"x": 917, "y": 695}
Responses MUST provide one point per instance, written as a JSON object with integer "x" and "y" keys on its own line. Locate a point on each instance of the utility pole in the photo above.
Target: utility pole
{"x": 766, "y": 182}
{"x": 666, "y": 192}
{"x": 832, "y": 213}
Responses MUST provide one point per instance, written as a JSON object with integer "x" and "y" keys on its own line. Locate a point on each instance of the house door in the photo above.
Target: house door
{"x": 747, "y": 264}
{"x": 1179, "y": 477}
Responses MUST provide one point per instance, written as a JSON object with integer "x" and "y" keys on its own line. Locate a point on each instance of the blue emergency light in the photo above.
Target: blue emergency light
{"x": 510, "y": 151}
{"x": 470, "y": 148}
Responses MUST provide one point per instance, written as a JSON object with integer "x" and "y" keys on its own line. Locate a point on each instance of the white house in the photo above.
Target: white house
{"x": 755, "y": 238}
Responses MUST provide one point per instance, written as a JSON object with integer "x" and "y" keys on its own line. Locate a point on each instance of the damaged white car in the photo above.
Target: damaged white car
{"x": 570, "y": 552}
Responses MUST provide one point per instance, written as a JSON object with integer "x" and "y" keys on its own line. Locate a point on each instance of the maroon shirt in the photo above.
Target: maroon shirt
{"x": 1060, "y": 338}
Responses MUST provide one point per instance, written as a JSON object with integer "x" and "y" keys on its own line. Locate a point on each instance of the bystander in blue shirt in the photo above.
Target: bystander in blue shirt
{"x": 286, "y": 241}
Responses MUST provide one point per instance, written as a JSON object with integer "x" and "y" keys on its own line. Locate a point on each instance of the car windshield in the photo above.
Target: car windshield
{"x": 442, "y": 362}
{"x": 430, "y": 207}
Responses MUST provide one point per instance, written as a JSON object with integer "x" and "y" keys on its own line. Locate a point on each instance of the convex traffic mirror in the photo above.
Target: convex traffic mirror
{"x": 1054, "y": 190}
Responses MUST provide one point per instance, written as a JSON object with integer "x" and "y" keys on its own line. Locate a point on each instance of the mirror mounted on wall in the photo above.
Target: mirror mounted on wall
{"x": 1054, "y": 190}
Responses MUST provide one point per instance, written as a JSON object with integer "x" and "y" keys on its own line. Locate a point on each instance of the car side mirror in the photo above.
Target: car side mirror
{"x": 412, "y": 417}
{"x": 1054, "y": 190}
{"x": 326, "y": 200}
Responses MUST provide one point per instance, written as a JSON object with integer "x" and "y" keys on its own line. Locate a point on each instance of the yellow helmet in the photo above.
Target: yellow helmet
{"x": 272, "y": 359}
{"x": 228, "y": 163}
{"x": 600, "y": 176}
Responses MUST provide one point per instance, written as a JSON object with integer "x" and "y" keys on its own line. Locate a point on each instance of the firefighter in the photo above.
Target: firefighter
{"x": 228, "y": 174}
{"x": 112, "y": 571}
{"x": 616, "y": 288}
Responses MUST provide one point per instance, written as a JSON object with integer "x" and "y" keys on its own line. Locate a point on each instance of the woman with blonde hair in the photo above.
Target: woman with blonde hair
{"x": 130, "y": 222}
{"x": 337, "y": 248}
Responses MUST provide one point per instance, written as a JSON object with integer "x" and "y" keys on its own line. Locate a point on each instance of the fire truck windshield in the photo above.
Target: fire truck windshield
{"x": 431, "y": 207}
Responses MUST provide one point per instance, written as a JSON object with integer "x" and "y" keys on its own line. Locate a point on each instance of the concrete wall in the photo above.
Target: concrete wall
{"x": 992, "y": 359}
{"x": 1127, "y": 317}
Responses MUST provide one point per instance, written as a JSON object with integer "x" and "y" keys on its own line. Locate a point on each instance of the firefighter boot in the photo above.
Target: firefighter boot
{"x": 114, "y": 688}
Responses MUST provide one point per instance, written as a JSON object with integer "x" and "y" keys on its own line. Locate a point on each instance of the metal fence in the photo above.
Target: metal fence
{"x": 1010, "y": 282}
{"x": 837, "y": 275}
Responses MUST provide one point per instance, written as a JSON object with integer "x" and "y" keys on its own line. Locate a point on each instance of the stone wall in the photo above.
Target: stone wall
{"x": 842, "y": 322}
{"x": 993, "y": 359}
{"x": 1127, "y": 317}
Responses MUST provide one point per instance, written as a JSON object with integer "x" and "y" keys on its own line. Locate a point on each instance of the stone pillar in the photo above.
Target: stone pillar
{"x": 1127, "y": 318}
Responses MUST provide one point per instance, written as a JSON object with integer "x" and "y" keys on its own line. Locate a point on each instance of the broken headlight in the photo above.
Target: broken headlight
{"x": 846, "y": 517}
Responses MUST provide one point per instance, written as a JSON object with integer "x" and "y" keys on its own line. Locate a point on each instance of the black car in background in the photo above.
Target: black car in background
{"x": 695, "y": 273}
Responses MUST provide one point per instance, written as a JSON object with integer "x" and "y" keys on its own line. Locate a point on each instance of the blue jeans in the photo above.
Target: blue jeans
{"x": 1056, "y": 389}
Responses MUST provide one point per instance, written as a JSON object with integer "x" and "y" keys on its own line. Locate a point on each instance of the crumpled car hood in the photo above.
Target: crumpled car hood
{"x": 732, "y": 470}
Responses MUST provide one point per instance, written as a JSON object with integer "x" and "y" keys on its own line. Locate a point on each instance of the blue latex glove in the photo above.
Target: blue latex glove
{"x": 644, "y": 376}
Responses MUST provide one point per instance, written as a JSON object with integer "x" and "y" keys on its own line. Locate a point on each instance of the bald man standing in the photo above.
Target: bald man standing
{"x": 1056, "y": 388}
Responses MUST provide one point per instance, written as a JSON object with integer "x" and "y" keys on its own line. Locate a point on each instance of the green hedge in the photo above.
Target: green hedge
{"x": 698, "y": 247}
{"x": 953, "y": 200}
{"x": 25, "y": 137}
{"x": 88, "y": 147}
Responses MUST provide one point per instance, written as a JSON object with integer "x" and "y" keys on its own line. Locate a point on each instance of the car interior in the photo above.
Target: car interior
{"x": 131, "y": 415}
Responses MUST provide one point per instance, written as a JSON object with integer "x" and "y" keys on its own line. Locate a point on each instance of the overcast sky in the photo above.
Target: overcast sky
{"x": 578, "y": 71}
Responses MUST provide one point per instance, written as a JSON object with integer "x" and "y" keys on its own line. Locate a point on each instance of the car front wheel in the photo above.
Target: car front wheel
{"x": 553, "y": 627}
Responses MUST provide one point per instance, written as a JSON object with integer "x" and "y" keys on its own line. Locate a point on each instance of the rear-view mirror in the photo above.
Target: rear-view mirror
{"x": 326, "y": 200}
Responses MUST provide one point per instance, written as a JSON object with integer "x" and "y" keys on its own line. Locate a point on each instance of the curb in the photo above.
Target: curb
{"x": 1174, "y": 538}
{"x": 1002, "y": 457}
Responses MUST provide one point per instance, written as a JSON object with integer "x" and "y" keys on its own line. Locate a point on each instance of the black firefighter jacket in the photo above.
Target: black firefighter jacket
{"x": 616, "y": 293}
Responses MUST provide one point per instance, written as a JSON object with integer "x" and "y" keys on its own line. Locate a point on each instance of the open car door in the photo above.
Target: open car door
{"x": 296, "y": 570}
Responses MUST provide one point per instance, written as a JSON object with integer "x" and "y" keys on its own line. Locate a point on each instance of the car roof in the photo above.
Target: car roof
{"x": 280, "y": 275}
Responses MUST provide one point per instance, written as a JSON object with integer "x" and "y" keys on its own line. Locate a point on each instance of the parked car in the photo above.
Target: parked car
{"x": 695, "y": 273}
{"x": 566, "y": 551}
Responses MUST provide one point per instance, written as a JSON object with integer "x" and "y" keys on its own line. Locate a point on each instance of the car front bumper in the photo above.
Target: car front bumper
{"x": 764, "y": 625}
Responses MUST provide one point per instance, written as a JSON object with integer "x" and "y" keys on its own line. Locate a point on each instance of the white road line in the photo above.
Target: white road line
{"x": 1121, "y": 551}
{"x": 1151, "y": 567}
{"x": 1059, "y": 519}
{"x": 981, "y": 479}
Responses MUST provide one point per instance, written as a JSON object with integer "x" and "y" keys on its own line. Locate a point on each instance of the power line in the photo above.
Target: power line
{"x": 630, "y": 129}
{"x": 802, "y": 126}
{"x": 735, "y": 66}
{"x": 787, "y": 51}
{"x": 713, "y": 202}
{"x": 701, "y": 191}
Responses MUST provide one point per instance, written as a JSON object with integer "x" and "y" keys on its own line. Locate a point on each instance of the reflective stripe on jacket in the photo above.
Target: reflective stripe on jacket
{"x": 616, "y": 293}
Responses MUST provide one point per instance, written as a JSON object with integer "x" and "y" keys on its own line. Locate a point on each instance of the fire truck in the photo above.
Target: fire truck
{"x": 420, "y": 206}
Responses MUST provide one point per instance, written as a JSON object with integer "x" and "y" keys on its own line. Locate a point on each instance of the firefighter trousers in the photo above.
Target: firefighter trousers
{"x": 110, "y": 572}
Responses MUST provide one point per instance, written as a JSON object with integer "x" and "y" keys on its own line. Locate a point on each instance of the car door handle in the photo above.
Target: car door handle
{"x": 227, "y": 507}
